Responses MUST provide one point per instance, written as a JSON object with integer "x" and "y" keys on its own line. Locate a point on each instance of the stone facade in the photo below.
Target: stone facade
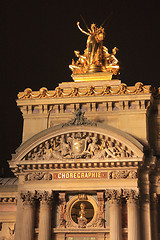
{"x": 88, "y": 165}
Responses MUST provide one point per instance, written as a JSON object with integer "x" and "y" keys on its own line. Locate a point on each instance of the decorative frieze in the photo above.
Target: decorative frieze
{"x": 70, "y": 166}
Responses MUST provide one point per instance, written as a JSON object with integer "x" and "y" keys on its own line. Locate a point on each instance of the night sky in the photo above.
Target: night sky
{"x": 37, "y": 43}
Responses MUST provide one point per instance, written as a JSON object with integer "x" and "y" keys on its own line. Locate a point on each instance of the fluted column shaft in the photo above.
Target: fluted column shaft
{"x": 133, "y": 220}
{"x": 115, "y": 215}
{"x": 45, "y": 217}
{"x": 28, "y": 216}
{"x": 115, "y": 221}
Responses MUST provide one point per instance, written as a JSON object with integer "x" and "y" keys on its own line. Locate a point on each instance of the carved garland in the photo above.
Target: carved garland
{"x": 90, "y": 91}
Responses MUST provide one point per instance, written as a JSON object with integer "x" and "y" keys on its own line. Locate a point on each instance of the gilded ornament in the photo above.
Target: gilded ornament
{"x": 96, "y": 57}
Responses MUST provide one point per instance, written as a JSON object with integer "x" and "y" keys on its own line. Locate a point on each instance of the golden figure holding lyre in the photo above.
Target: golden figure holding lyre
{"x": 96, "y": 57}
{"x": 94, "y": 43}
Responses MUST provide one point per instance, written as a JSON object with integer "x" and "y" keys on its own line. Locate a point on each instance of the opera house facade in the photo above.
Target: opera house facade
{"x": 88, "y": 167}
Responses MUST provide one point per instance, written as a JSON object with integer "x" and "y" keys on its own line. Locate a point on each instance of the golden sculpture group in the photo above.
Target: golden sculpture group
{"x": 96, "y": 57}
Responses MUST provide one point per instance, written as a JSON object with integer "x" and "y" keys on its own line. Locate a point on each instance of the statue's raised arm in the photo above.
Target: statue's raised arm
{"x": 87, "y": 33}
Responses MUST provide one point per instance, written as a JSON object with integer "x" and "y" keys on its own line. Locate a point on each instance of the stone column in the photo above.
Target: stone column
{"x": 28, "y": 216}
{"x": 154, "y": 216}
{"x": 115, "y": 214}
{"x": 45, "y": 216}
{"x": 145, "y": 214}
{"x": 133, "y": 215}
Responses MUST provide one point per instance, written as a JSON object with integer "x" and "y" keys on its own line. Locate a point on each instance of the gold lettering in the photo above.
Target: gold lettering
{"x": 75, "y": 175}
{"x": 99, "y": 175}
{"x": 59, "y": 175}
{"x": 82, "y": 175}
{"x": 89, "y": 174}
{"x": 86, "y": 175}
{"x": 67, "y": 175}
{"x": 93, "y": 174}
{"x": 71, "y": 175}
{"x": 63, "y": 175}
{"x": 78, "y": 175}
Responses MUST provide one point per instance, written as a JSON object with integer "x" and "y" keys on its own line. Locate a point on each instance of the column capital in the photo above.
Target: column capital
{"x": 113, "y": 196}
{"x": 28, "y": 198}
{"x": 131, "y": 196}
{"x": 45, "y": 197}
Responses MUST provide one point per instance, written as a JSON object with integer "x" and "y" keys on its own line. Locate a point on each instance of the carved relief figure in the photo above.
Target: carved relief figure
{"x": 79, "y": 145}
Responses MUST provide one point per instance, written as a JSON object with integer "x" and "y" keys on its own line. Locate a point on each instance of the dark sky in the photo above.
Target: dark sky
{"x": 37, "y": 43}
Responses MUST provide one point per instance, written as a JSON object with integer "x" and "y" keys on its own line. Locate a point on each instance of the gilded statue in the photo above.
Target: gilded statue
{"x": 94, "y": 42}
{"x": 96, "y": 57}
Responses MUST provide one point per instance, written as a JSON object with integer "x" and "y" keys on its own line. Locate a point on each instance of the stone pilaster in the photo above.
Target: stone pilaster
{"x": 28, "y": 216}
{"x": 115, "y": 214}
{"x": 133, "y": 215}
{"x": 45, "y": 216}
{"x": 19, "y": 214}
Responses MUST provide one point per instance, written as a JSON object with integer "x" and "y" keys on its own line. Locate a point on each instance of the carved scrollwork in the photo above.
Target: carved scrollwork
{"x": 123, "y": 174}
{"x": 62, "y": 210}
{"x": 38, "y": 176}
{"x": 79, "y": 145}
{"x": 100, "y": 214}
{"x": 157, "y": 180}
{"x": 79, "y": 119}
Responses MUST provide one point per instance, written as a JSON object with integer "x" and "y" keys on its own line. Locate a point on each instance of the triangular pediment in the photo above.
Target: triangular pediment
{"x": 72, "y": 144}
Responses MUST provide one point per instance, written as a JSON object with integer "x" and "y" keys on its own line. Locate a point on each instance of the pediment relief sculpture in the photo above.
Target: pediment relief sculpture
{"x": 79, "y": 145}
